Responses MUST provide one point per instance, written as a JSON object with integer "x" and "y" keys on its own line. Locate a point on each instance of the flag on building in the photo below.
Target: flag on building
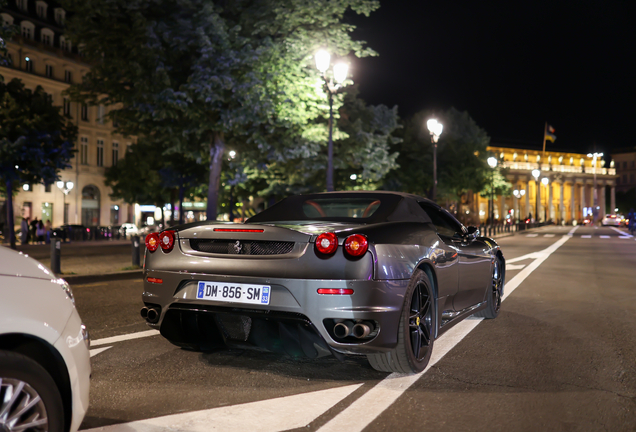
{"x": 549, "y": 134}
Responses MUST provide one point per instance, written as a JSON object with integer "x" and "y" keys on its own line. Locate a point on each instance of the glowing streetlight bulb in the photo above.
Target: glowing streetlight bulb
{"x": 232, "y": 154}
{"x": 322, "y": 60}
{"x": 492, "y": 161}
{"x": 536, "y": 173}
{"x": 340, "y": 72}
{"x": 69, "y": 185}
{"x": 60, "y": 184}
{"x": 545, "y": 181}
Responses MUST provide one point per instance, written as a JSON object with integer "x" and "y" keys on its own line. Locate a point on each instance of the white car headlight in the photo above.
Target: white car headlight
{"x": 66, "y": 287}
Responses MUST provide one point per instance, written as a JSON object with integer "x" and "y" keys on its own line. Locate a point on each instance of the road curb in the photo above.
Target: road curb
{"x": 82, "y": 279}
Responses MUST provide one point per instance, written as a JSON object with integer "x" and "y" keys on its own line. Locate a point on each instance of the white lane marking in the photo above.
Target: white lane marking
{"x": 371, "y": 404}
{"x": 124, "y": 337}
{"x": 605, "y": 236}
{"x": 272, "y": 415}
{"x": 532, "y": 235}
{"x": 532, "y": 255}
{"x": 586, "y": 236}
{"x": 624, "y": 237}
{"x": 571, "y": 232}
{"x": 623, "y": 233}
{"x": 548, "y": 235}
{"x": 514, "y": 266}
{"x": 96, "y": 351}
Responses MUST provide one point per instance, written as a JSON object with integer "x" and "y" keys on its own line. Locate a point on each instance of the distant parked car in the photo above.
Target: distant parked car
{"x": 128, "y": 229}
{"x": 611, "y": 219}
{"x": 44, "y": 349}
{"x": 147, "y": 229}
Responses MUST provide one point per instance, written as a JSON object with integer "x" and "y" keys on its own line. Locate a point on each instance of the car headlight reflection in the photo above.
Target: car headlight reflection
{"x": 66, "y": 287}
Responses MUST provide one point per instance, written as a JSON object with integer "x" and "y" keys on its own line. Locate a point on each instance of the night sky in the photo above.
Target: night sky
{"x": 512, "y": 65}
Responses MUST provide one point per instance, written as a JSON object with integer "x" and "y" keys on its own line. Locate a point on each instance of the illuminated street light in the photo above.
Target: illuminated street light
{"x": 492, "y": 162}
{"x": 435, "y": 128}
{"x": 332, "y": 86}
{"x": 594, "y": 156}
{"x": 65, "y": 187}
{"x": 536, "y": 173}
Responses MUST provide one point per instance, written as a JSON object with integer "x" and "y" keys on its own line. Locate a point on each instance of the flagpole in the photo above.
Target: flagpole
{"x": 545, "y": 131}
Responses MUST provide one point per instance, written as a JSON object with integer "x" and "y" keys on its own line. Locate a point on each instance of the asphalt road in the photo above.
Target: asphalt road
{"x": 560, "y": 356}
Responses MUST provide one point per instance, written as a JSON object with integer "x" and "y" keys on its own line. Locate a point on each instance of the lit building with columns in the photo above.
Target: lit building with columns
{"x": 565, "y": 190}
{"x": 41, "y": 56}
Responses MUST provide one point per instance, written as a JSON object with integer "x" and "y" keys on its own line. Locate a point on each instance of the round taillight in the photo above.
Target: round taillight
{"x": 356, "y": 245}
{"x": 327, "y": 243}
{"x": 166, "y": 240}
{"x": 152, "y": 242}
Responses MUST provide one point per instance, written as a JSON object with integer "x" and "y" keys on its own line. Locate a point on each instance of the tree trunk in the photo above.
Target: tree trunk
{"x": 173, "y": 193}
{"x": 217, "y": 149}
{"x": 10, "y": 223}
{"x": 181, "y": 192}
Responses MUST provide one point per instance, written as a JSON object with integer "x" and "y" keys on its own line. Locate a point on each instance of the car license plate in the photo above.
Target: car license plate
{"x": 234, "y": 292}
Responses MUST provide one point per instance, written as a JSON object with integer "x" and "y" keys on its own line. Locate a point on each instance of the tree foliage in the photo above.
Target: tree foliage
{"x": 36, "y": 140}
{"x": 194, "y": 74}
{"x": 461, "y": 157}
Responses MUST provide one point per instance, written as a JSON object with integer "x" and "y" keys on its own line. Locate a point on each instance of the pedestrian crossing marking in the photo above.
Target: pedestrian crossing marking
{"x": 605, "y": 236}
{"x": 586, "y": 236}
{"x": 548, "y": 235}
{"x": 532, "y": 235}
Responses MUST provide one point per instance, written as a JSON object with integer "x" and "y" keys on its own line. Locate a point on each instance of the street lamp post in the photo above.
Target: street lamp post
{"x": 65, "y": 187}
{"x": 536, "y": 173}
{"x": 435, "y": 128}
{"x": 492, "y": 162}
{"x": 332, "y": 85}
{"x": 545, "y": 182}
{"x": 518, "y": 195}
{"x": 231, "y": 204}
{"x": 594, "y": 156}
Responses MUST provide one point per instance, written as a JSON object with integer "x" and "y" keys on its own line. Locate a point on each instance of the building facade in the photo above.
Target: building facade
{"x": 41, "y": 56}
{"x": 625, "y": 163}
{"x": 570, "y": 187}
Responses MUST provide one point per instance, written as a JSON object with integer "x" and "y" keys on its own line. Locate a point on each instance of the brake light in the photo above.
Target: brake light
{"x": 327, "y": 243}
{"x": 336, "y": 291}
{"x": 166, "y": 240}
{"x": 238, "y": 230}
{"x": 155, "y": 280}
{"x": 356, "y": 245}
{"x": 152, "y": 242}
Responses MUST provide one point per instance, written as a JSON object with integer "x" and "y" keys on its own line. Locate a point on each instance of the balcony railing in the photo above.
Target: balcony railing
{"x": 529, "y": 166}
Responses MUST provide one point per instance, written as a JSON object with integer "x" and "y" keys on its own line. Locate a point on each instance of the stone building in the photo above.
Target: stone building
{"x": 41, "y": 56}
{"x": 574, "y": 185}
{"x": 625, "y": 163}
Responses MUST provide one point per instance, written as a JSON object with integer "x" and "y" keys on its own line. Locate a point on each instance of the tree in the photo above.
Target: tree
{"x": 36, "y": 140}
{"x": 461, "y": 157}
{"x": 197, "y": 73}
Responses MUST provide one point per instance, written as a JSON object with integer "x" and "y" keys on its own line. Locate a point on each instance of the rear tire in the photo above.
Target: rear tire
{"x": 495, "y": 293}
{"x": 22, "y": 380}
{"x": 416, "y": 330}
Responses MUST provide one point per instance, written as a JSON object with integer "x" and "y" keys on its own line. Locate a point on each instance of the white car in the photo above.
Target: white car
{"x": 44, "y": 349}
{"x": 611, "y": 219}
{"x": 130, "y": 229}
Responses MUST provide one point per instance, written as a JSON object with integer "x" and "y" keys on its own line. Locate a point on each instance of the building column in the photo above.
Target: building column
{"x": 572, "y": 203}
{"x": 551, "y": 201}
{"x": 601, "y": 200}
{"x": 527, "y": 207}
{"x": 561, "y": 207}
{"x": 612, "y": 198}
{"x": 538, "y": 210}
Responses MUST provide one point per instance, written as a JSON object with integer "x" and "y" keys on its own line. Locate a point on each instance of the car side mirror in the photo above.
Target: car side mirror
{"x": 472, "y": 233}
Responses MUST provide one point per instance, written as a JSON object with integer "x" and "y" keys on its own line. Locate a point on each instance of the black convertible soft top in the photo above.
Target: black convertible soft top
{"x": 382, "y": 207}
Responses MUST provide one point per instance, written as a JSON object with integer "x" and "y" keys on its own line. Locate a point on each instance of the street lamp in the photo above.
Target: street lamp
{"x": 518, "y": 194}
{"x": 332, "y": 86}
{"x": 594, "y": 156}
{"x": 492, "y": 162}
{"x": 536, "y": 173}
{"x": 435, "y": 128}
{"x": 65, "y": 187}
{"x": 545, "y": 182}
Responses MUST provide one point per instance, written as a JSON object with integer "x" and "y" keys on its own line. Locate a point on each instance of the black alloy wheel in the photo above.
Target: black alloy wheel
{"x": 495, "y": 294}
{"x": 421, "y": 321}
{"x": 416, "y": 333}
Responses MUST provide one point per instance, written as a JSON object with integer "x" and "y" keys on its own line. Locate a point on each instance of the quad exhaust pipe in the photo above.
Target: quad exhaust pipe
{"x": 359, "y": 330}
{"x": 150, "y": 314}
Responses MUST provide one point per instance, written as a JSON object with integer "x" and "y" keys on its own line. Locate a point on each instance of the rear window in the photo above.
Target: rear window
{"x": 319, "y": 208}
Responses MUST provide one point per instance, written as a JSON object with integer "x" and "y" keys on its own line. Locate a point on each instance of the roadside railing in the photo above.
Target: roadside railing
{"x": 494, "y": 229}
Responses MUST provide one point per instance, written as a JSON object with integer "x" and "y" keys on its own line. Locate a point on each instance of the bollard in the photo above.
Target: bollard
{"x": 56, "y": 254}
{"x": 135, "y": 250}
